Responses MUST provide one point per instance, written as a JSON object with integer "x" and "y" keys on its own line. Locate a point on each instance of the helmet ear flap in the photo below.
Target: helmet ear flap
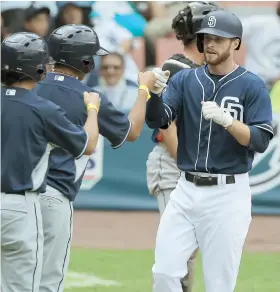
{"x": 87, "y": 65}
{"x": 199, "y": 43}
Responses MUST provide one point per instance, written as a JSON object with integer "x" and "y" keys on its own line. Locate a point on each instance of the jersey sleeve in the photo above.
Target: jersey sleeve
{"x": 162, "y": 110}
{"x": 113, "y": 124}
{"x": 62, "y": 133}
{"x": 258, "y": 110}
{"x": 173, "y": 96}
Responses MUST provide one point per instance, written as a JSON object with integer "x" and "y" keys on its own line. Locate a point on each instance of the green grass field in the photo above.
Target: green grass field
{"x": 130, "y": 271}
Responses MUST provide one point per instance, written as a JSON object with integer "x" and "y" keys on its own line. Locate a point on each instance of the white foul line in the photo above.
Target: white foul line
{"x": 76, "y": 280}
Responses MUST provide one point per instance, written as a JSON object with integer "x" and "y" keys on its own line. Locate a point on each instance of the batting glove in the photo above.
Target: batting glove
{"x": 161, "y": 80}
{"x": 220, "y": 116}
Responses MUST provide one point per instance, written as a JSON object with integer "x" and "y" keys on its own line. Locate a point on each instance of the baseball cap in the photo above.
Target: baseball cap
{"x": 81, "y": 4}
{"x": 32, "y": 11}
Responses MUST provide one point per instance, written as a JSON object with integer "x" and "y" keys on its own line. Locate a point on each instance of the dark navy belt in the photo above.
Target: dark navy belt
{"x": 203, "y": 181}
{"x": 16, "y": 193}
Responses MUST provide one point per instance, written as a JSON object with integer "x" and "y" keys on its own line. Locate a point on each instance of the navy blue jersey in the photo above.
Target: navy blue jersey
{"x": 65, "y": 173}
{"x": 203, "y": 145}
{"x": 28, "y": 124}
{"x": 174, "y": 68}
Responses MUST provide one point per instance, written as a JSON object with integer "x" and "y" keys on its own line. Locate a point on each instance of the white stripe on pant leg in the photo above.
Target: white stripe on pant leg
{"x": 67, "y": 254}
{"x": 37, "y": 248}
{"x": 39, "y": 242}
{"x": 57, "y": 224}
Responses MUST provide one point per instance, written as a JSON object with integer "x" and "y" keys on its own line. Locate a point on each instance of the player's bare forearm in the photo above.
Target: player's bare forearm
{"x": 170, "y": 140}
{"x": 240, "y": 132}
{"x": 91, "y": 127}
{"x": 137, "y": 116}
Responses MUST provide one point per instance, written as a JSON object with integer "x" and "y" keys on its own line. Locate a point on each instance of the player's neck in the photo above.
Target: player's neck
{"x": 28, "y": 84}
{"x": 192, "y": 53}
{"x": 68, "y": 72}
{"x": 224, "y": 68}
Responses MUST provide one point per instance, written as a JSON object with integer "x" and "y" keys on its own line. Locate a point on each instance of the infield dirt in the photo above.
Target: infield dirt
{"x": 137, "y": 230}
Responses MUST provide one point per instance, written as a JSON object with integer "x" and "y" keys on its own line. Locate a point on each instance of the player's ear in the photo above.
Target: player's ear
{"x": 236, "y": 43}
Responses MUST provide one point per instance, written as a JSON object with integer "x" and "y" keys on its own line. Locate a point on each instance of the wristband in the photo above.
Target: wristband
{"x": 91, "y": 106}
{"x": 144, "y": 87}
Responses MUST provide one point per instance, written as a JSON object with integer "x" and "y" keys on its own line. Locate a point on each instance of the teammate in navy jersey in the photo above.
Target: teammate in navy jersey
{"x": 224, "y": 116}
{"x": 72, "y": 47}
{"x": 30, "y": 127}
{"x": 162, "y": 171}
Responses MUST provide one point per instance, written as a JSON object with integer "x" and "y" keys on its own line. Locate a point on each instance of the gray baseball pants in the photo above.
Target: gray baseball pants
{"x": 57, "y": 215}
{"x": 21, "y": 242}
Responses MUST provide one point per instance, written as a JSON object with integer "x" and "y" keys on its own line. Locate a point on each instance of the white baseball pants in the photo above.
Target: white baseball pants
{"x": 216, "y": 219}
{"x": 162, "y": 177}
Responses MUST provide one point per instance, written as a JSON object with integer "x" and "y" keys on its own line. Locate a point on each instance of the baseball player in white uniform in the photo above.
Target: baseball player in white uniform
{"x": 224, "y": 116}
{"x": 162, "y": 171}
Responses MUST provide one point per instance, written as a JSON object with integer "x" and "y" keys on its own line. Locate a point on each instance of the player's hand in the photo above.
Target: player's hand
{"x": 155, "y": 80}
{"x": 147, "y": 78}
{"x": 161, "y": 80}
{"x": 220, "y": 116}
{"x": 92, "y": 97}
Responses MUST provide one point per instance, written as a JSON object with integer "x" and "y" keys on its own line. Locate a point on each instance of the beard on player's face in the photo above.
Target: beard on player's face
{"x": 214, "y": 57}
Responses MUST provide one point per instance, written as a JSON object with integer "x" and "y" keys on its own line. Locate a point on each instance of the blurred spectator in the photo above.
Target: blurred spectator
{"x": 133, "y": 16}
{"x": 124, "y": 13}
{"x": 117, "y": 39}
{"x": 73, "y": 12}
{"x": 117, "y": 23}
{"x": 143, "y": 8}
{"x": 37, "y": 20}
{"x": 112, "y": 82}
{"x": 13, "y": 13}
{"x": 150, "y": 9}
{"x": 261, "y": 35}
{"x": 160, "y": 24}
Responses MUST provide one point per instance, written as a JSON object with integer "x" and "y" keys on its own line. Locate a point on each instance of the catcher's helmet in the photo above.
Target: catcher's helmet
{"x": 220, "y": 23}
{"x": 177, "y": 63}
{"x": 24, "y": 53}
{"x": 188, "y": 20}
{"x": 74, "y": 46}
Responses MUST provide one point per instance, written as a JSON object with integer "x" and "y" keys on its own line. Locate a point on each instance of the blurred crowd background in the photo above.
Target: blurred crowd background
{"x": 139, "y": 36}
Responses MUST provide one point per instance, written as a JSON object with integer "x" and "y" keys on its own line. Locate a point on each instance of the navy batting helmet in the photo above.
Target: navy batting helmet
{"x": 24, "y": 53}
{"x": 188, "y": 20}
{"x": 74, "y": 46}
{"x": 220, "y": 23}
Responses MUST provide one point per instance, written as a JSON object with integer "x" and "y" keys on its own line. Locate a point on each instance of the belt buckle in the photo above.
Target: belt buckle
{"x": 211, "y": 179}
